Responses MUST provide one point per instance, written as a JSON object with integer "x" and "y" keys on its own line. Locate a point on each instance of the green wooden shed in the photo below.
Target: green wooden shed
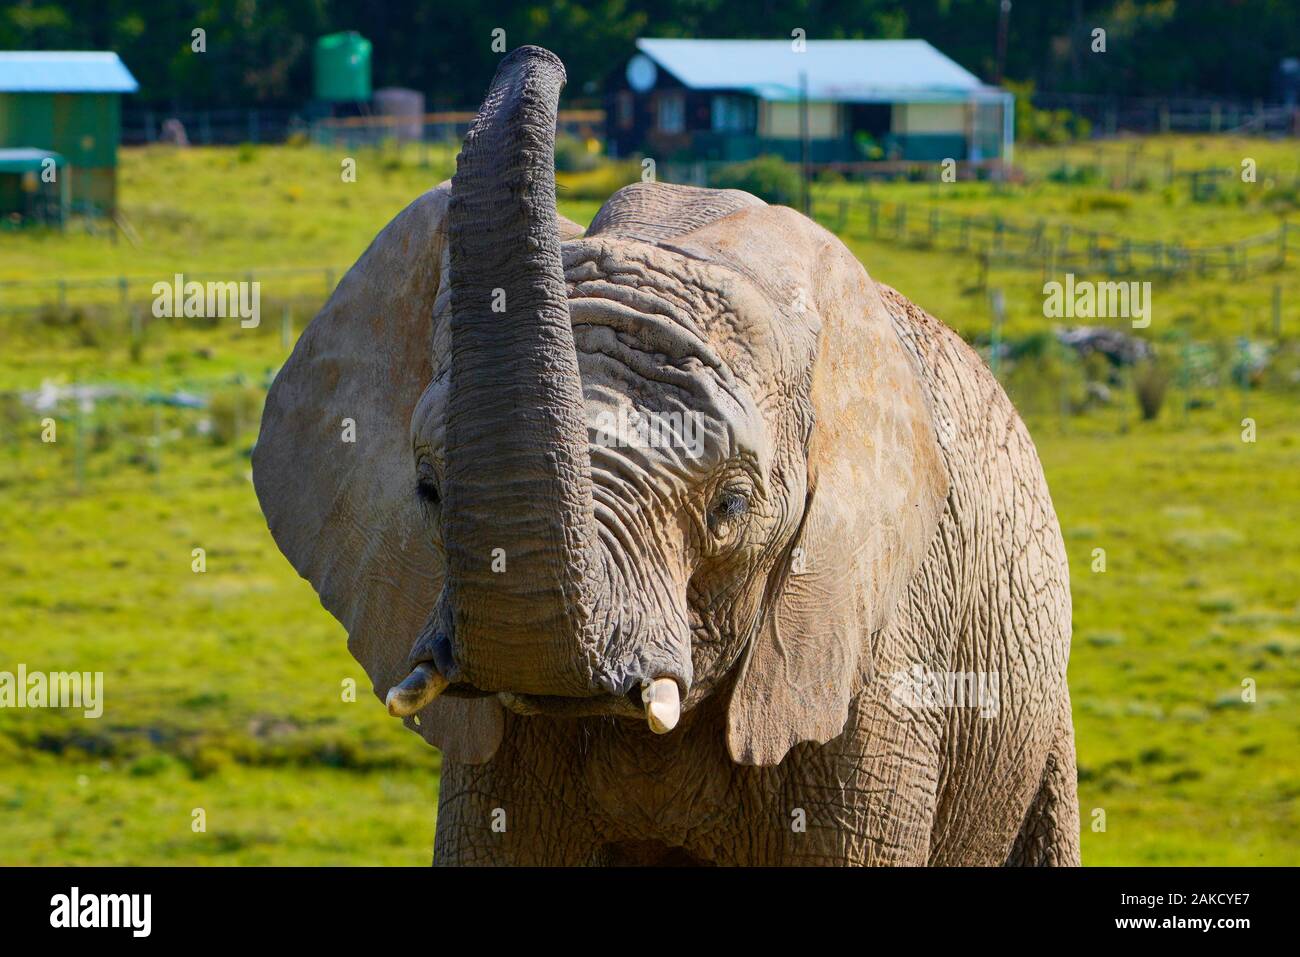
{"x": 68, "y": 103}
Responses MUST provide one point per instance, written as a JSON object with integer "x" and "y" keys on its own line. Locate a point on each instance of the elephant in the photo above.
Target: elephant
{"x": 684, "y": 540}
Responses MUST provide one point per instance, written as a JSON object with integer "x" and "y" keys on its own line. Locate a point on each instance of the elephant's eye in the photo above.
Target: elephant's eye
{"x": 427, "y": 491}
{"x": 728, "y": 505}
{"x": 426, "y": 483}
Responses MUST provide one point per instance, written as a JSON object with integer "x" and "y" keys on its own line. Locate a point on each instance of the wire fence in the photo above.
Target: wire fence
{"x": 130, "y": 294}
{"x": 75, "y": 435}
{"x": 1108, "y": 115}
{"x": 997, "y": 242}
{"x": 1174, "y": 114}
{"x": 1049, "y": 247}
{"x": 164, "y": 423}
{"x": 228, "y": 127}
{"x": 218, "y": 127}
{"x": 1141, "y": 166}
{"x": 439, "y": 127}
{"x": 79, "y": 431}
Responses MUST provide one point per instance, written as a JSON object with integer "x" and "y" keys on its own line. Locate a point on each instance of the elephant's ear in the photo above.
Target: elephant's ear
{"x": 334, "y": 473}
{"x": 876, "y": 489}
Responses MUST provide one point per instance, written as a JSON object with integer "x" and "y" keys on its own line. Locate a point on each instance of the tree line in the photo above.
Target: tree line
{"x": 259, "y": 52}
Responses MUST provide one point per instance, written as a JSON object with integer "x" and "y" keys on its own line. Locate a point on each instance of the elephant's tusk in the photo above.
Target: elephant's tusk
{"x": 415, "y": 691}
{"x": 663, "y": 704}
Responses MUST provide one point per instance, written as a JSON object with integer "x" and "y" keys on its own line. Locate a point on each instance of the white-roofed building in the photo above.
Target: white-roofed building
{"x": 735, "y": 99}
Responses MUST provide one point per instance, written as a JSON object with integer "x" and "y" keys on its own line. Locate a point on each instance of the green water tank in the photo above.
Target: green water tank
{"x": 342, "y": 68}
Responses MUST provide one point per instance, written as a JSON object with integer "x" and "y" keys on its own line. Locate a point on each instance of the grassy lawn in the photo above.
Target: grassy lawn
{"x": 228, "y": 691}
{"x": 1201, "y": 590}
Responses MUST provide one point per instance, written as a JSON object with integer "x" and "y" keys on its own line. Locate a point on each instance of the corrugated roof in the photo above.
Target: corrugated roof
{"x": 61, "y": 71}
{"x": 859, "y": 71}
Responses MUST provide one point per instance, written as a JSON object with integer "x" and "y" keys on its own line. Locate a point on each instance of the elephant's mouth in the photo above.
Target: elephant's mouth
{"x": 656, "y": 702}
{"x": 554, "y": 706}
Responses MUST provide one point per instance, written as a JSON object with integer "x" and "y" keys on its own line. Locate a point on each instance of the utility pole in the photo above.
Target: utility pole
{"x": 804, "y": 147}
{"x": 1004, "y": 13}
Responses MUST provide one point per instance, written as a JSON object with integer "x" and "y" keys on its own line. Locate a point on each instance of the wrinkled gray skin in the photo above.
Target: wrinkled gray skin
{"x": 863, "y": 502}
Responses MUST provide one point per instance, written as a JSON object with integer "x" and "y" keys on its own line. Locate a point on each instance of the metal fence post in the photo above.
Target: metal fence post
{"x": 998, "y": 303}
{"x": 157, "y": 427}
{"x": 78, "y": 442}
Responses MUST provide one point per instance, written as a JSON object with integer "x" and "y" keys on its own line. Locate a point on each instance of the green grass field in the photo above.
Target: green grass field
{"x": 228, "y": 691}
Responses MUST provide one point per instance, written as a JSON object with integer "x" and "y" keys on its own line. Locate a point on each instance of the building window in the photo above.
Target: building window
{"x": 672, "y": 112}
{"x": 782, "y": 121}
{"x": 732, "y": 114}
{"x": 626, "y": 110}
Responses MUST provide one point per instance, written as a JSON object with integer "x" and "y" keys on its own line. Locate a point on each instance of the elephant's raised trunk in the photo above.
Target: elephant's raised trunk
{"x": 517, "y": 514}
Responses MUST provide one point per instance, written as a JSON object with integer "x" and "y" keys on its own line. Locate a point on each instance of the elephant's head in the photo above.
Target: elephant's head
{"x": 601, "y": 474}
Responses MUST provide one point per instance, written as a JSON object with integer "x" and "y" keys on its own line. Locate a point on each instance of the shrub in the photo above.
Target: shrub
{"x": 1284, "y": 371}
{"x": 867, "y": 146}
{"x": 1071, "y": 174}
{"x": 770, "y": 178}
{"x": 1102, "y": 202}
{"x": 1045, "y": 126}
{"x": 598, "y": 183}
{"x": 573, "y": 156}
{"x": 1151, "y": 381}
{"x": 89, "y": 328}
{"x": 233, "y": 411}
{"x": 1043, "y": 376}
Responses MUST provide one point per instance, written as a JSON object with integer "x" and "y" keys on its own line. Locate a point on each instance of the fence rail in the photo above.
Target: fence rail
{"x": 275, "y": 125}
{"x": 1051, "y": 247}
{"x": 1173, "y": 114}
{"x": 1108, "y": 114}
{"x": 442, "y": 127}
{"x": 213, "y": 127}
{"x": 996, "y": 241}
{"x": 131, "y": 292}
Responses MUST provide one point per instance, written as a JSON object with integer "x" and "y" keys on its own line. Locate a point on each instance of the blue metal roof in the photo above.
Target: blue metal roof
{"x": 847, "y": 71}
{"x": 60, "y": 71}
